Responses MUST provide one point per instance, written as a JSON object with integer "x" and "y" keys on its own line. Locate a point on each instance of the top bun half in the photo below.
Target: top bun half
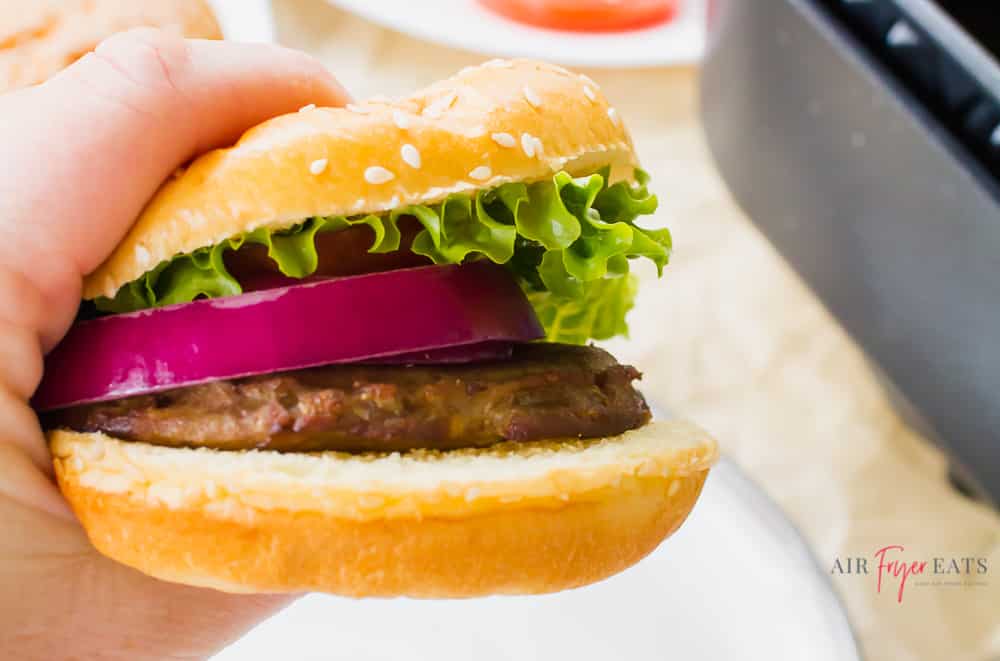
{"x": 499, "y": 122}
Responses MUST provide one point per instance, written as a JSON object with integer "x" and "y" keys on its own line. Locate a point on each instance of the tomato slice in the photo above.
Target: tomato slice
{"x": 341, "y": 253}
{"x": 586, "y": 15}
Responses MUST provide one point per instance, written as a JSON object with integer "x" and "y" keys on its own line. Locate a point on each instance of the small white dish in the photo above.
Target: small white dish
{"x": 465, "y": 24}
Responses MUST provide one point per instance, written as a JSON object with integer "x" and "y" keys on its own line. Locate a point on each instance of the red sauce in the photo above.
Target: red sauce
{"x": 586, "y": 15}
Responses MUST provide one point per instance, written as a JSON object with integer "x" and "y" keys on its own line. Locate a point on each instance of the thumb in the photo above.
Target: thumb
{"x": 85, "y": 151}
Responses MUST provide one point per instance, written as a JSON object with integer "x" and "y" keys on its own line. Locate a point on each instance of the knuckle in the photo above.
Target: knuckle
{"x": 147, "y": 56}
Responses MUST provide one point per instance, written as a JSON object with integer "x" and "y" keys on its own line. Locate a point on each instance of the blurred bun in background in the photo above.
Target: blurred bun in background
{"x": 38, "y": 38}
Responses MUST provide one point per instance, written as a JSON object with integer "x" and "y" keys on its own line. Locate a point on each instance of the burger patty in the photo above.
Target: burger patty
{"x": 543, "y": 391}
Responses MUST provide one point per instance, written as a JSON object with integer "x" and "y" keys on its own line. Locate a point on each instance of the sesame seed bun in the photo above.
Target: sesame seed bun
{"x": 40, "y": 38}
{"x": 500, "y": 122}
{"x": 519, "y": 518}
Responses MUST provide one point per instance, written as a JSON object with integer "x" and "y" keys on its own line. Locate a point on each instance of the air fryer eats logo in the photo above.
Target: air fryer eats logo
{"x": 895, "y": 570}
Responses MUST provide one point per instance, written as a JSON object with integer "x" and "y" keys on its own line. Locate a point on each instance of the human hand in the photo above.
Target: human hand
{"x": 81, "y": 155}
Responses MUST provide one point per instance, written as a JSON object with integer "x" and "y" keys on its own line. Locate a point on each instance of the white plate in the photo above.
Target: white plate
{"x": 465, "y": 24}
{"x": 736, "y": 582}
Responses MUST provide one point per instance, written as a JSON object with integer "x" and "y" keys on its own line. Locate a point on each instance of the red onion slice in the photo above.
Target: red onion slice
{"x": 463, "y": 353}
{"x": 409, "y": 314}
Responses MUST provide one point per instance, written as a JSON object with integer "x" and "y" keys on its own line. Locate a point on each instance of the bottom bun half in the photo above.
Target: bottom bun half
{"x": 521, "y": 518}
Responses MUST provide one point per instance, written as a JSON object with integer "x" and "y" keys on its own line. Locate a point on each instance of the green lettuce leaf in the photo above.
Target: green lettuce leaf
{"x": 596, "y": 313}
{"x": 568, "y": 241}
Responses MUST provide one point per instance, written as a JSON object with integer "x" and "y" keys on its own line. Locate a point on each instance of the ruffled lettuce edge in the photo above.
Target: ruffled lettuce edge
{"x": 567, "y": 240}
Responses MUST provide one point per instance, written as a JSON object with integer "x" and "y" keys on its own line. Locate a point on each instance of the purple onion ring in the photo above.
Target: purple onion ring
{"x": 426, "y": 314}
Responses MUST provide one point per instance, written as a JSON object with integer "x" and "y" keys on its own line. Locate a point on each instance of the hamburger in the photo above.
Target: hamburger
{"x": 350, "y": 354}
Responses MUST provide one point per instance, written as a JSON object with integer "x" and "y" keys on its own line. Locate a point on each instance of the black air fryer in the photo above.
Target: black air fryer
{"x": 863, "y": 138}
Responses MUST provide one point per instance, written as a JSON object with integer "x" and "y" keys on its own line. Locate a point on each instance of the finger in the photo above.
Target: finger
{"x": 85, "y": 151}
{"x": 61, "y": 599}
{"x": 22, "y": 483}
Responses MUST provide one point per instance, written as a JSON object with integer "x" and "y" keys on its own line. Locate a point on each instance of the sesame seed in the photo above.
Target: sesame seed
{"x": 357, "y": 109}
{"x": 539, "y": 148}
{"x": 504, "y": 139}
{"x": 377, "y": 174}
{"x": 437, "y": 108}
{"x": 471, "y": 494}
{"x": 613, "y": 114}
{"x": 317, "y": 166}
{"x": 394, "y": 201}
{"x": 411, "y": 156}
{"x": 672, "y": 490}
{"x": 528, "y": 144}
{"x": 401, "y": 119}
{"x": 589, "y": 93}
{"x": 311, "y": 106}
{"x": 481, "y": 173}
{"x": 532, "y": 97}
{"x": 142, "y": 254}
